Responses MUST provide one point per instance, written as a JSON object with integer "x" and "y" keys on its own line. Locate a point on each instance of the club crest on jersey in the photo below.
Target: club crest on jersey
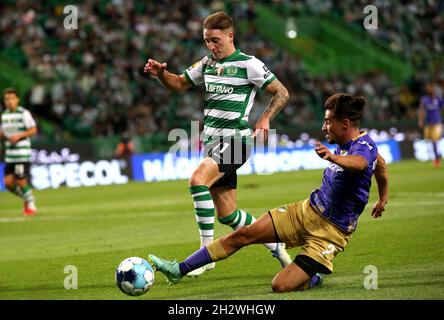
{"x": 231, "y": 71}
{"x": 220, "y": 71}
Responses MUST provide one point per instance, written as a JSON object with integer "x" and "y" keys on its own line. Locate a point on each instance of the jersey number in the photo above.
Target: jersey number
{"x": 19, "y": 169}
{"x": 223, "y": 148}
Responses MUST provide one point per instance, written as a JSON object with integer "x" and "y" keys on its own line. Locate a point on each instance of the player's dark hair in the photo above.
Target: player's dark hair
{"x": 9, "y": 91}
{"x": 346, "y": 106}
{"x": 218, "y": 20}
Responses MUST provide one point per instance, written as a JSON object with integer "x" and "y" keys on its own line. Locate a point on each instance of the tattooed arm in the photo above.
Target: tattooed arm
{"x": 277, "y": 102}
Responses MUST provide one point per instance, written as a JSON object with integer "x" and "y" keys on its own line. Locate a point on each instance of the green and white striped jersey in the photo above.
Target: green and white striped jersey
{"x": 15, "y": 122}
{"x": 231, "y": 85}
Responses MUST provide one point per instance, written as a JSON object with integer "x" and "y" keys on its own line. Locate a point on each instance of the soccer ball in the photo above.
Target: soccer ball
{"x": 134, "y": 276}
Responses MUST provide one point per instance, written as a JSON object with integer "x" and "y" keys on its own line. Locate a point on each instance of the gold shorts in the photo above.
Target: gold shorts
{"x": 433, "y": 132}
{"x": 298, "y": 225}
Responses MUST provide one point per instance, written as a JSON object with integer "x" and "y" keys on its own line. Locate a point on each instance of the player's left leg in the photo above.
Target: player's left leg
{"x": 28, "y": 197}
{"x": 435, "y": 135}
{"x": 226, "y": 207}
{"x": 303, "y": 274}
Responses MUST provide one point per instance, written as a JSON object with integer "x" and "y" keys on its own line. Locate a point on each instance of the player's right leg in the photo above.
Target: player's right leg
{"x": 200, "y": 181}
{"x": 262, "y": 231}
{"x": 16, "y": 182}
{"x": 228, "y": 214}
{"x": 9, "y": 181}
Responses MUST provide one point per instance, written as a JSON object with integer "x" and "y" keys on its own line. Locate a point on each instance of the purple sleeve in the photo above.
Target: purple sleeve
{"x": 364, "y": 149}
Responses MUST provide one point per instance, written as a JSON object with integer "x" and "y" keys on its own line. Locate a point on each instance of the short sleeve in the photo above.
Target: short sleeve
{"x": 364, "y": 149}
{"x": 194, "y": 74}
{"x": 28, "y": 120}
{"x": 259, "y": 74}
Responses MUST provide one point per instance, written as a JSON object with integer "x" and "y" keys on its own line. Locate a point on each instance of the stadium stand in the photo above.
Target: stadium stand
{"x": 88, "y": 83}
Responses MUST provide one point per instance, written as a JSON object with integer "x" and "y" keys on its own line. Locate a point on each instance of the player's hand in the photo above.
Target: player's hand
{"x": 155, "y": 68}
{"x": 378, "y": 208}
{"x": 15, "y": 138}
{"x": 420, "y": 125}
{"x": 261, "y": 129}
{"x": 322, "y": 151}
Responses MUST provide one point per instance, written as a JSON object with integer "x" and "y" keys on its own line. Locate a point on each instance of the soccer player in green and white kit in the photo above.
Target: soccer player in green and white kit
{"x": 231, "y": 80}
{"x": 17, "y": 125}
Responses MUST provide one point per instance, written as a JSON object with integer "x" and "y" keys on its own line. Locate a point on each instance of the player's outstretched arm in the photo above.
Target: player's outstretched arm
{"x": 170, "y": 80}
{"x": 277, "y": 102}
{"x": 350, "y": 163}
{"x": 381, "y": 176}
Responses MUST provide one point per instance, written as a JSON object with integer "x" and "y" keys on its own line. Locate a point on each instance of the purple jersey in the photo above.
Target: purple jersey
{"x": 432, "y": 106}
{"x": 343, "y": 195}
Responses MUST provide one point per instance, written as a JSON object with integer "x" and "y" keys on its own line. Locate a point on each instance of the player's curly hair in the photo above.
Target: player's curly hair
{"x": 346, "y": 106}
{"x": 218, "y": 20}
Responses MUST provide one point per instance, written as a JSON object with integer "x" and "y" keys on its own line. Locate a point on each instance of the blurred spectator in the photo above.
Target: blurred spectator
{"x": 125, "y": 148}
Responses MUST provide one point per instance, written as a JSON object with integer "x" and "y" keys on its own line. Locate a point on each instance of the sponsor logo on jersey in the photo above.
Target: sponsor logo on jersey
{"x": 214, "y": 88}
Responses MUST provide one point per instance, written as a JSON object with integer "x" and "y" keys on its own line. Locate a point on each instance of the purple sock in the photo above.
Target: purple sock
{"x": 198, "y": 259}
{"x": 435, "y": 150}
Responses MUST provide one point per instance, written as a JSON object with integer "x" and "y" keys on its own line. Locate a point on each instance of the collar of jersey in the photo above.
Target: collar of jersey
{"x": 235, "y": 53}
{"x": 15, "y": 111}
{"x": 348, "y": 143}
{"x": 363, "y": 133}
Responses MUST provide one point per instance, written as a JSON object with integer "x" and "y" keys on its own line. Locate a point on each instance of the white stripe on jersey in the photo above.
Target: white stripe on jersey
{"x": 229, "y": 115}
{"x": 227, "y": 80}
{"x": 18, "y": 152}
{"x": 231, "y": 97}
{"x": 225, "y": 132}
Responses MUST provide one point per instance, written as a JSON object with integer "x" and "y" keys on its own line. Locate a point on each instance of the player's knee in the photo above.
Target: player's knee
{"x": 280, "y": 286}
{"x": 9, "y": 183}
{"x": 195, "y": 180}
{"x": 205, "y": 173}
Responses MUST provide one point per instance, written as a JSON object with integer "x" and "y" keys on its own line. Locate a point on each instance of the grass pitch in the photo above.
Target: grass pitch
{"x": 95, "y": 228}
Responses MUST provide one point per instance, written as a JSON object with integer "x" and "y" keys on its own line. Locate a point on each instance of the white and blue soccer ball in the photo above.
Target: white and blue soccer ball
{"x": 134, "y": 276}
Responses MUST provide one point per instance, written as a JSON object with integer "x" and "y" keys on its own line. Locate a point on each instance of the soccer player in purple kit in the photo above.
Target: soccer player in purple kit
{"x": 321, "y": 224}
{"x": 429, "y": 119}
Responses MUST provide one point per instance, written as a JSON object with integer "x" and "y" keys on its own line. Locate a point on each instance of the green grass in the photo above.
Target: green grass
{"x": 95, "y": 228}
